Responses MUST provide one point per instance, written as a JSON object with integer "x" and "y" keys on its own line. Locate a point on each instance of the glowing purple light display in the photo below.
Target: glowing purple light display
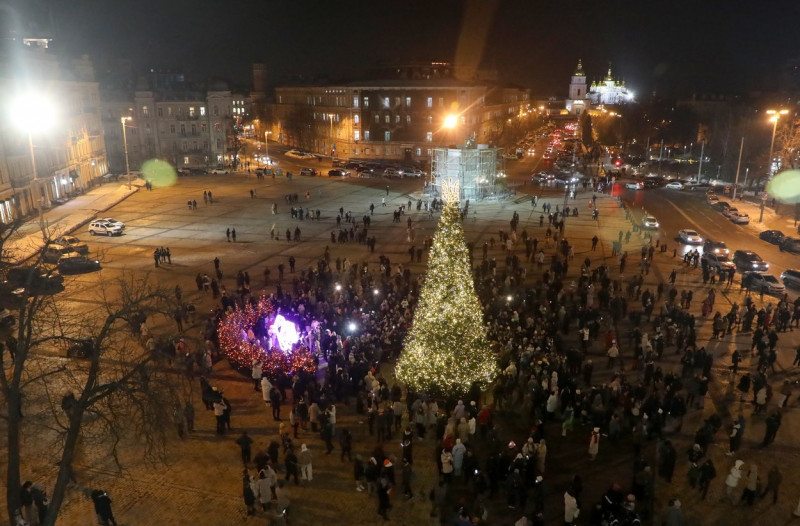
{"x": 285, "y": 332}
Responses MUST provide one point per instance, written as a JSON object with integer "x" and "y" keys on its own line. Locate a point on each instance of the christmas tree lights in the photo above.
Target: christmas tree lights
{"x": 446, "y": 350}
{"x": 235, "y": 338}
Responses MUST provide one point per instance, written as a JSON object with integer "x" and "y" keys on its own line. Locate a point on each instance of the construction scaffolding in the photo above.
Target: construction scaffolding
{"x": 477, "y": 171}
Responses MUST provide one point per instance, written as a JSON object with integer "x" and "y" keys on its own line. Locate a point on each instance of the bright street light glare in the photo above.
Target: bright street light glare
{"x": 33, "y": 112}
{"x": 451, "y": 121}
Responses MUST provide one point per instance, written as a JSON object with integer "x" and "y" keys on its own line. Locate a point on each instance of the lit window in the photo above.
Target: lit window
{"x": 408, "y": 102}
{"x": 145, "y": 111}
{"x": 430, "y": 102}
{"x": 356, "y": 135}
{"x": 377, "y": 119}
{"x": 430, "y": 119}
{"x": 366, "y": 102}
{"x": 429, "y": 136}
{"x": 202, "y": 111}
{"x": 191, "y": 111}
{"x": 185, "y": 160}
{"x": 387, "y": 136}
{"x": 419, "y": 152}
{"x": 386, "y": 101}
{"x": 169, "y": 111}
{"x": 355, "y": 118}
{"x": 408, "y": 119}
{"x": 366, "y": 135}
{"x": 387, "y": 119}
{"x": 355, "y": 102}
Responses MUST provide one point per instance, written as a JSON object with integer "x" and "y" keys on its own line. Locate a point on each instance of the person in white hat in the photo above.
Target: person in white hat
{"x": 733, "y": 481}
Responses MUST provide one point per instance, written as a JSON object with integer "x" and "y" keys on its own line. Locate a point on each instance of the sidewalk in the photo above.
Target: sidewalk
{"x": 65, "y": 218}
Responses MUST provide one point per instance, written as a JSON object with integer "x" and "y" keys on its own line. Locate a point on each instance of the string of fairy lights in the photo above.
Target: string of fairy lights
{"x": 446, "y": 351}
{"x": 235, "y": 344}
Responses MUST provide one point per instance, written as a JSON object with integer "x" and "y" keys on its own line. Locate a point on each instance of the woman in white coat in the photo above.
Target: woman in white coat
{"x": 571, "y": 510}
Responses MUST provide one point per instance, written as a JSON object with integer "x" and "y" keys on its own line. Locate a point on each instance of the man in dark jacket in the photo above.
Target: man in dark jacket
{"x": 102, "y": 506}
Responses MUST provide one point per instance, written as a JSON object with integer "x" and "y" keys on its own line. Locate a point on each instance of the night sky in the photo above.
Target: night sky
{"x": 669, "y": 47}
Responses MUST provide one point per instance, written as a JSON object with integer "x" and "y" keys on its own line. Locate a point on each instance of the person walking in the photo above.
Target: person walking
{"x": 233, "y": 234}
{"x": 255, "y": 374}
{"x": 228, "y": 235}
{"x": 248, "y": 494}
{"x": 304, "y": 461}
{"x": 245, "y": 442}
{"x": 102, "y": 507}
{"x": 774, "y": 479}
{"x": 571, "y": 510}
{"x": 594, "y": 443}
{"x": 732, "y": 481}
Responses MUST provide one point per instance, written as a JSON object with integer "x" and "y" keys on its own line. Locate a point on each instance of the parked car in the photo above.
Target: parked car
{"x": 791, "y": 278}
{"x": 338, "y": 173}
{"x": 104, "y": 228}
{"x": 690, "y": 237}
{"x": 716, "y": 247}
{"x": 728, "y": 211}
{"x": 740, "y": 218}
{"x": 53, "y": 252}
{"x": 717, "y": 261}
{"x": 674, "y": 185}
{"x": 721, "y": 205}
{"x": 81, "y": 348}
{"x": 759, "y": 282}
{"x": 75, "y": 244}
{"x": 308, "y": 171}
{"x": 712, "y": 199}
{"x": 790, "y": 244}
{"x": 392, "y": 173}
{"x": 41, "y": 281}
{"x": 650, "y": 222}
{"x": 74, "y": 263}
{"x": 219, "y": 171}
{"x": 113, "y": 222}
{"x": 775, "y": 237}
{"x": 749, "y": 260}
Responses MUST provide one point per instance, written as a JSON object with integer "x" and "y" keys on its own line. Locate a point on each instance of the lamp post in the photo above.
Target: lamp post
{"x": 124, "y": 121}
{"x": 775, "y": 116}
{"x": 266, "y": 146}
{"x": 330, "y": 119}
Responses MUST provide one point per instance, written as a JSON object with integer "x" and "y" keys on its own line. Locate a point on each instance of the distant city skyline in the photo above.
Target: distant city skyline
{"x": 701, "y": 47}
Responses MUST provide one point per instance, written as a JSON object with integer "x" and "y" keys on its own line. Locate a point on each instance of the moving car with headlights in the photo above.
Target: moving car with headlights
{"x": 338, "y": 173}
{"x": 690, "y": 237}
{"x": 775, "y": 237}
{"x": 749, "y": 260}
{"x": 759, "y": 282}
{"x": 74, "y": 244}
{"x": 650, "y": 222}
{"x": 74, "y": 263}
{"x": 716, "y": 247}
{"x": 634, "y": 186}
{"x": 104, "y": 228}
{"x": 739, "y": 218}
{"x": 791, "y": 278}
{"x": 674, "y": 185}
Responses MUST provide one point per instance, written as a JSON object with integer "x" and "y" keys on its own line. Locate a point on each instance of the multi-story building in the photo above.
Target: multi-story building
{"x": 70, "y": 154}
{"x": 403, "y": 114}
{"x": 186, "y": 126}
{"x": 606, "y": 92}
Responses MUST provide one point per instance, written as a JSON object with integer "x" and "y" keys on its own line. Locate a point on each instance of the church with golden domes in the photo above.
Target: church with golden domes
{"x": 606, "y": 92}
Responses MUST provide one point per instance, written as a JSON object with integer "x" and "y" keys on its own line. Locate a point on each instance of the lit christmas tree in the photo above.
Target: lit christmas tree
{"x": 446, "y": 350}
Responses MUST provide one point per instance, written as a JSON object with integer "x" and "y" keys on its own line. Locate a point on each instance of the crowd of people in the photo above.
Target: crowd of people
{"x": 547, "y": 333}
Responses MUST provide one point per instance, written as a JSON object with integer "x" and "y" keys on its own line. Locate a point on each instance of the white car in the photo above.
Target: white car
{"x": 740, "y": 218}
{"x": 634, "y": 186}
{"x": 219, "y": 171}
{"x": 690, "y": 237}
{"x": 758, "y": 282}
{"x": 104, "y": 228}
{"x": 674, "y": 185}
{"x": 113, "y": 221}
{"x": 650, "y": 222}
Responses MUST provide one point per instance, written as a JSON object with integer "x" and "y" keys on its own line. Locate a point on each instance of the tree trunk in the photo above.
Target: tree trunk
{"x": 65, "y": 467}
{"x": 12, "y": 471}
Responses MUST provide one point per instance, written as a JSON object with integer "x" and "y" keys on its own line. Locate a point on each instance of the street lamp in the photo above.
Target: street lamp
{"x": 330, "y": 119}
{"x": 775, "y": 116}
{"x": 266, "y": 146}
{"x": 124, "y": 121}
{"x": 451, "y": 121}
{"x": 34, "y": 112}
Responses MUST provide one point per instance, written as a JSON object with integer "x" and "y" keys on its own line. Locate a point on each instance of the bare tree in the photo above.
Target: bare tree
{"x": 116, "y": 387}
